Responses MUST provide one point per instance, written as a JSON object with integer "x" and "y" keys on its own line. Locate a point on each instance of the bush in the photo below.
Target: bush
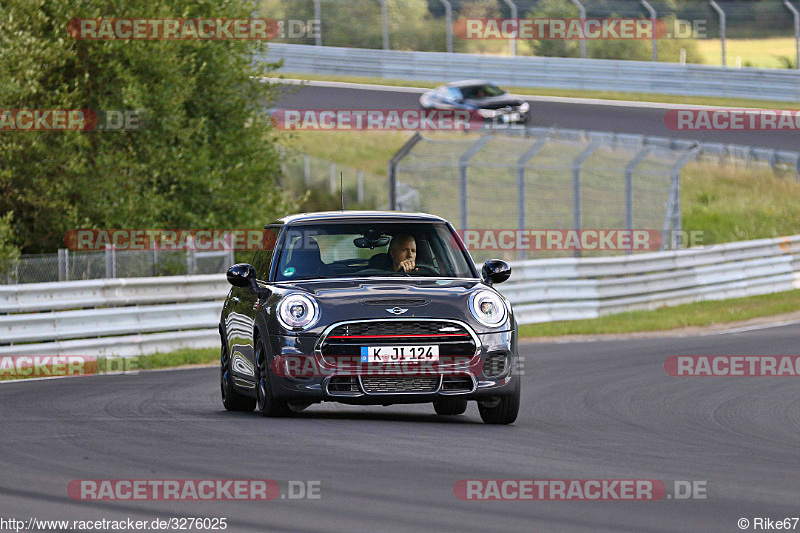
{"x": 9, "y": 253}
{"x": 206, "y": 157}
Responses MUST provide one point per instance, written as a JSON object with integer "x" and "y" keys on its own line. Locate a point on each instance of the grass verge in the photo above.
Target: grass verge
{"x": 570, "y": 93}
{"x": 696, "y": 314}
{"x": 12, "y": 368}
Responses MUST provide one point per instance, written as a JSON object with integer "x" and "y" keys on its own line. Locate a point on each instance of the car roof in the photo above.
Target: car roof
{"x": 339, "y": 216}
{"x": 468, "y": 83}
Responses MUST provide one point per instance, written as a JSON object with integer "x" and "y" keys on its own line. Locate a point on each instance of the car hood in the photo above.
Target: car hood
{"x": 372, "y": 298}
{"x": 496, "y": 102}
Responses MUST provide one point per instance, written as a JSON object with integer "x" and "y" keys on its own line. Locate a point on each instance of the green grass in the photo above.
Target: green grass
{"x": 726, "y": 202}
{"x": 752, "y": 52}
{"x": 571, "y": 93}
{"x": 668, "y": 318}
{"x": 736, "y": 204}
{"x": 178, "y": 358}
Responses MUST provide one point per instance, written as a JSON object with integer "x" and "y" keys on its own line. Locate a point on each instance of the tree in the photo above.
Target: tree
{"x": 206, "y": 156}
{"x": 9, "y": 253}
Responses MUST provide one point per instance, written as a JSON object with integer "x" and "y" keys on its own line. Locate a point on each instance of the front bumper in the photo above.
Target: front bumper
{"x": 303, "y": 378}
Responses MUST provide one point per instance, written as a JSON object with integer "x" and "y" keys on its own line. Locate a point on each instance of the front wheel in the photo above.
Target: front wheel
{"x": 504, "y": 410}
{"x": 231, "y": 399}
{"x": 267, "y": 404}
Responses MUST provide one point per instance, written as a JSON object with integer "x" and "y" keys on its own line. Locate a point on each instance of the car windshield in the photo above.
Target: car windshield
{"x": 476, "y": 92}
{"x": 365, "y": 249}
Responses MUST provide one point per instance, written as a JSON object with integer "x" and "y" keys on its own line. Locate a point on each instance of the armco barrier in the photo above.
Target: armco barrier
{"x": 134, "y": 316}
{"x": 551, "y": 72}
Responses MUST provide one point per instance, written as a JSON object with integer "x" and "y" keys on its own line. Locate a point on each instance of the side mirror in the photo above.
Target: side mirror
{"x": 495, "y": 271}
{"x": 241, "y": 275}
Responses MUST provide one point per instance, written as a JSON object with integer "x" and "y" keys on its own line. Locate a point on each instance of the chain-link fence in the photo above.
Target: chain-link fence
{"x": 548, "y": 183}
{"x": 362, "y": 190}
{"x": 428, "y": 26}
{"x": 67, "y": 265}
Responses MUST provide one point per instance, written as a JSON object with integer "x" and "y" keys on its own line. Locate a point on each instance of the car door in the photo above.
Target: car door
{"x": 240, "y": 322}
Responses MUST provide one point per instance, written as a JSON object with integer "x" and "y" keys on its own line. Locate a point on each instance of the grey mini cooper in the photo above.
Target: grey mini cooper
{"x": 368, "y": 308}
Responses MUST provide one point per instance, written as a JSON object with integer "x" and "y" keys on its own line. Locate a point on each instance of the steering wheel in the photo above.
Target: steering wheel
{"x": 427, "y": 269}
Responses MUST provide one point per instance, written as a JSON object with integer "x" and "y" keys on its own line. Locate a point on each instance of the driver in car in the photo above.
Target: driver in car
{"x": 403, "y": 251}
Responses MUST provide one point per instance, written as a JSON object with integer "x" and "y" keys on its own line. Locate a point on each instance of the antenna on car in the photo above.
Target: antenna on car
{"x": 341, "y": 187}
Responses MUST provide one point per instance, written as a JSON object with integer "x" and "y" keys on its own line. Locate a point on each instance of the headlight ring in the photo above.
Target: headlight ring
{"x": 488, "y": 308}
{"x": 297, "y": 311}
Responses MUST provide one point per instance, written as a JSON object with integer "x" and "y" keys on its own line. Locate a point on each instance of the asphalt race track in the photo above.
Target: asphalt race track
{"x": 564, "y": 114}
{"x": 595, "y": 410}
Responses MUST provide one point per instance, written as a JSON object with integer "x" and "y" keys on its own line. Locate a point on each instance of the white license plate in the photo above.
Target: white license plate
{"x": 511, "y": 117}
{"x": 399, "y": 354}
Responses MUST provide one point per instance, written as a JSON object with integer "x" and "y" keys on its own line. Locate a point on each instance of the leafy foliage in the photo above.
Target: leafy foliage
{"x": 205, "y": 158}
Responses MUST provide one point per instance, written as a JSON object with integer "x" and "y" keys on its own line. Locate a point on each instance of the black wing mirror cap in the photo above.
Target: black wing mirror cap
{"x": 495, "y": 271}
{"x": 241, "y": 275}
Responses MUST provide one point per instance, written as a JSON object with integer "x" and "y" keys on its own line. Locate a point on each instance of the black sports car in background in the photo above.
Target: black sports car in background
{"x": 368, "y": 308}
{"x": 480, "y": 96}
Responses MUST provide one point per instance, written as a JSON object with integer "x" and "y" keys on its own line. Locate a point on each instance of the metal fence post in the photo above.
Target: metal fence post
{"x": 721, "y": 14}
{"x": 62, "y": 264}
{"x": 512, "y": 43}
{"x": 333, "y": 178}
{"x": 577, "y": 207}
{"x": 583, "y": 17}
{"x": 529, "y": 154}
{"x": 653, "y": 16}
{"x": 282, "y": 154}
{"x": 673, "y": 216}
{"x": 111, "y": 261}
{"x": 360, "y": 187}
{"x": 307, "y": 170}
{"x": 463, "y": 161}
{"x": 385, "y": 24}
{"x": 629, "y": 168}
{"x": 318, "y": 18}
{"x": 448, "y": 15}
{"x": 392, "y": 179}
{"x": 191, "y": 266}
{"x": 796, "y": 16}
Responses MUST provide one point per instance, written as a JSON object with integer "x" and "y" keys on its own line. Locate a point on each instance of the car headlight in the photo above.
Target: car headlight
{"x": 487, "y": 308}
{"x": 524, "y": 107}
{"x": 487, "y": 113}
{"x": 297, "y": 311}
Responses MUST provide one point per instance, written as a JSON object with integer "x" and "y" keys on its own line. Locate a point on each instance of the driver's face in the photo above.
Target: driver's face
{"x": 403, "y": 251}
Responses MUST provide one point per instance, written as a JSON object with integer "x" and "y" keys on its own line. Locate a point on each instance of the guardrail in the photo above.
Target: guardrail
{"x": 551, "y": 72}
{"x": 183, "y": 311}
{"x": 575, "y": 288}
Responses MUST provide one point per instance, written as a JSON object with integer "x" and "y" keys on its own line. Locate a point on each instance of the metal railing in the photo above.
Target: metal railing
{"x": 547, "y": 72}
{"x": 138, "y": 316}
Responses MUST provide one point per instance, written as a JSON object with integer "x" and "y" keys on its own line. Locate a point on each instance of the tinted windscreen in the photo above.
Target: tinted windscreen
{"x": 367, "y": 249}
{"x": 481, "y": 91}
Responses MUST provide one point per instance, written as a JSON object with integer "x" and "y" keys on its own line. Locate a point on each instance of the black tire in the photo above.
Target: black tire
{"x": 505, "y": 412}
{"x": 449, "y": 406}
{"x": 267, "y": 404}
{"x": 231, "y": 399}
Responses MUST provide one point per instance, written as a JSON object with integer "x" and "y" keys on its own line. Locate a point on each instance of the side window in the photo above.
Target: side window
{"x": 454, "y": 93}
{"x": 262, "y": 259}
